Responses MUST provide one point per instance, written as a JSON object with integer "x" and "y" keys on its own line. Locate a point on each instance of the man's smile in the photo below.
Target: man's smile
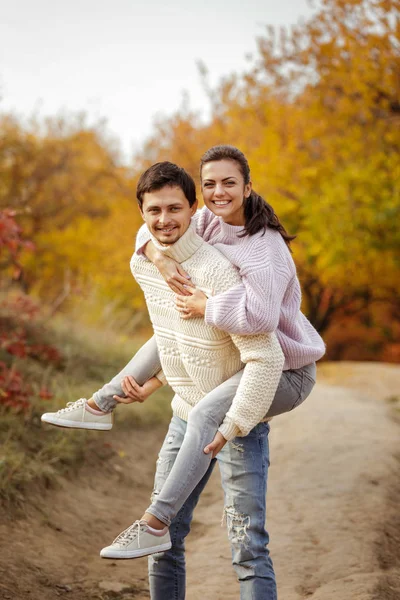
{"x": 166, "y": 229}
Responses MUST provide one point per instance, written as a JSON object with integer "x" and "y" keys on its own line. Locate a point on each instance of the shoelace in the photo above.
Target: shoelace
{"x": 130, "y": 533}
{"x": 72, "y": 405}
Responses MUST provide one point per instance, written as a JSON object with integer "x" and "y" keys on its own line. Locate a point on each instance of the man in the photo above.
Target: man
{"x": 196, "y": 359}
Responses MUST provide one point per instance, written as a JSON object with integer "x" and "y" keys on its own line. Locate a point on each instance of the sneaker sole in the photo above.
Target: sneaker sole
{"x": 121, "y": 554}
{"x": 77, "y": 424}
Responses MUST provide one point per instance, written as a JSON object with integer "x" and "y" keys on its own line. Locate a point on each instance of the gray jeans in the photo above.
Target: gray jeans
{"x": 191, "y": 463}
{"x": 144, "y": 365}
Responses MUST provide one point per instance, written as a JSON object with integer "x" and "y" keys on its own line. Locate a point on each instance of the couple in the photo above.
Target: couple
{"x": 233, "y": 345}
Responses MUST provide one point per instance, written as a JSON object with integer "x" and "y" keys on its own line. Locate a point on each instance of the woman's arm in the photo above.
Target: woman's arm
{"x": 250, "y": 307}
{"x": 253, "y": 306}
{"x": 176, "y": 277}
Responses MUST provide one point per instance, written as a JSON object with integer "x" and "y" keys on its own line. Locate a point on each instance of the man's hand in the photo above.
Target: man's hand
{"x": 135, "y": 392}
{"x": 193, "y": 305}
{"x": 216, "y": 445}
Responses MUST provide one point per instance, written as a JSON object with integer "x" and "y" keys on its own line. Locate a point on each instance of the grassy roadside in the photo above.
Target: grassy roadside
{"x": 33, "y": 454}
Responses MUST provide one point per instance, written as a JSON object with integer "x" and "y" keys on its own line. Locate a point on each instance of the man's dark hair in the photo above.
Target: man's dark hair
{"x": 165, "y": 174}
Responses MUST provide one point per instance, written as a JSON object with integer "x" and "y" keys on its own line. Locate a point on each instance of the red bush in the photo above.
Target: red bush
{"x": 14, "y": 392}
{"x": 17, "y": 316}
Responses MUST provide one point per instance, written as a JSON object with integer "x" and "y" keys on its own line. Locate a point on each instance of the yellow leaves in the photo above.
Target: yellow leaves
{"x": 318, "y": 118}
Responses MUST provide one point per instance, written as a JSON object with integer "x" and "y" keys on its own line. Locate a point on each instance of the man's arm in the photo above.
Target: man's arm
{"x": 263, "y": 359}
{"x": 138, "y": 393}
{"x": 144, "y": 365}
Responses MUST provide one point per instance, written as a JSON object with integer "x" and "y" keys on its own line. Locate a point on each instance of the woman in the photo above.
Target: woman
{"x": 243, "y": 227}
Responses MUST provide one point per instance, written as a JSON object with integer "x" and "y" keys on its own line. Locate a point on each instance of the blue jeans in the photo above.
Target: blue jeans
{"x": 243, "y": 464}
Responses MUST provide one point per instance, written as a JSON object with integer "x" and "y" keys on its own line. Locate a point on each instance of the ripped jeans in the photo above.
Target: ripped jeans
{"x": 243, "y": 465}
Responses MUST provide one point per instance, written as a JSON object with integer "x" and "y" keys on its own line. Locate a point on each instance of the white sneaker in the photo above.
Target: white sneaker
{"x": 76, "y": 415}
{"x": 138, "y": 540}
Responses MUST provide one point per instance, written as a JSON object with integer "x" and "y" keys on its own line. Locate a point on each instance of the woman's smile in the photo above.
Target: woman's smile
{"x": 224, "y": 190}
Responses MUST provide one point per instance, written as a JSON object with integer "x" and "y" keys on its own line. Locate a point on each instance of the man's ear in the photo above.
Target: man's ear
{"x": 194, "y": 206}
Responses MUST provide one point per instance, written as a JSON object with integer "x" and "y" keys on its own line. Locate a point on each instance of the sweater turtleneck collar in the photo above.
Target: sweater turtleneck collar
{"x": 230, "y": 231}
{"x": 184, "y": 248}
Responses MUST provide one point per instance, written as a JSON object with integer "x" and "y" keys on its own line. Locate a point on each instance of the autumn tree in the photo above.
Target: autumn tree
{"x": 63, "y": 181}
{"x": 318, "y": 117}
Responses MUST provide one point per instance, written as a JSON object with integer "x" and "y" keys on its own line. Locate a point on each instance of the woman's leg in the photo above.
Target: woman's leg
{"x": 191, "y": 463}
{"x": 203, "y": 423}
{"x": 243, "y": 464}
{"x": 294, "y": 387}
{"x": 144, "y": 365}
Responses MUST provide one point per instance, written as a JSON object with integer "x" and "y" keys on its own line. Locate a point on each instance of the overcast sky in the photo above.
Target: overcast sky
{"x": 125, "y": 60}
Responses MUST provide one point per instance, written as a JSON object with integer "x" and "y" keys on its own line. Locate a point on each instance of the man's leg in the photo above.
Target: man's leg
{"x": 243, "y": 463}
{"x": 167, "y": 571}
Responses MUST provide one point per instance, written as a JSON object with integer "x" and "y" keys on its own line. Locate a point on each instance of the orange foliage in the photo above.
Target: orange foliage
{"x": 317, "y": 115}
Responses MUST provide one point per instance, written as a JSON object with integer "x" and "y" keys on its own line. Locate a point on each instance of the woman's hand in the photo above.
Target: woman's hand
{"x": 193, "y": 305}
{"x": 216, "y": 445}
{"x": 176, "y": 277}
{"x": 135, "y": 392}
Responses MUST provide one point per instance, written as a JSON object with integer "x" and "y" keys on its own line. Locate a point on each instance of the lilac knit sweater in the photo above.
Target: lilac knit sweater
{"x": 269, "y": 297}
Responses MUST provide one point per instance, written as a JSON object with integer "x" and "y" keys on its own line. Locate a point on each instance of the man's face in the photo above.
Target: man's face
{"x": 167, "y": 214}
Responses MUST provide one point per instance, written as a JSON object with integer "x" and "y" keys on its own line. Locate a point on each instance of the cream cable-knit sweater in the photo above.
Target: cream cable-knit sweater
{"x": 268, "y": 296}
{"x": 196, "y": 357}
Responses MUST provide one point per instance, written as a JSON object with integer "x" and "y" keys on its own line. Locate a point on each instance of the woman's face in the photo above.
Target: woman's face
{"x": 223, "y": 189}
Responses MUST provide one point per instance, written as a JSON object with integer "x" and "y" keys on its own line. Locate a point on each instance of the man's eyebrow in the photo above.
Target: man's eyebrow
{"x": 173, "y": 205}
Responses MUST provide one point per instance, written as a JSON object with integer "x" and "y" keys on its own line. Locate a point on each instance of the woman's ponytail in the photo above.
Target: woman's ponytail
{"x": 259, "y": 215}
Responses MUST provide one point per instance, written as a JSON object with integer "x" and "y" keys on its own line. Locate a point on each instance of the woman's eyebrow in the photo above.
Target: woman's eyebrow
{"x": 224, "y": 179}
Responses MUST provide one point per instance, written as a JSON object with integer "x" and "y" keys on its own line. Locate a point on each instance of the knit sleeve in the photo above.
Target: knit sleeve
{"x": 142, "y": 237}
{"x": 251, "y": 307}
{"x": 202, "y": 219}
{"x": 263, "y": 359}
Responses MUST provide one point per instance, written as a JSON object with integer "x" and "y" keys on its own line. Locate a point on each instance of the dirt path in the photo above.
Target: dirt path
{"x": 333, "y": 498}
